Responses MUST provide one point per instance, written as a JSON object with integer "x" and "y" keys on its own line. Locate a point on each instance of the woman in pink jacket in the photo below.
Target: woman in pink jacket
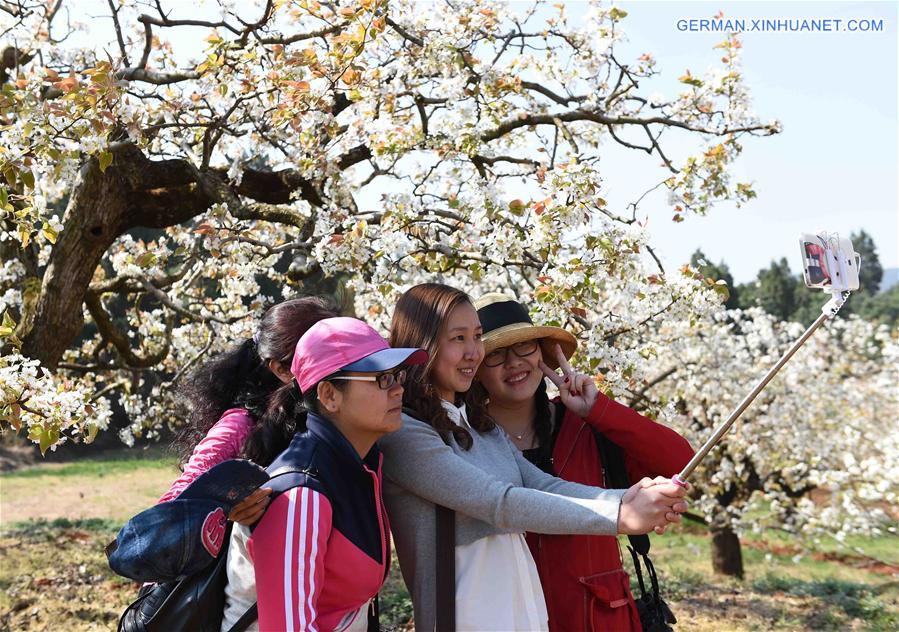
{"x": 228, "y": 395}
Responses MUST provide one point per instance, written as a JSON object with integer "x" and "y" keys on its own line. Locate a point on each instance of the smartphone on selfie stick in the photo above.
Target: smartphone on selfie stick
{"x": 830, "y": 263}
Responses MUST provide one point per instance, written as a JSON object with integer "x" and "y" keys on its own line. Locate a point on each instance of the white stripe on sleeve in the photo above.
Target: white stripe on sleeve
{"x": 310, "y": 597}
{"x": 288, "y": 559}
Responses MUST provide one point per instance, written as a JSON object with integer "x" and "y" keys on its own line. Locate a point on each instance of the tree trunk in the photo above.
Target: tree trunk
{"x": 134, "y": 191}
{"x": 92, "y": 222}
{"x": 727, "y": 559}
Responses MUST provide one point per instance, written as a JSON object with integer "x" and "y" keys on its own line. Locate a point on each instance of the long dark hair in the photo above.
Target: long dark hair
{"x": 418, "y": 320}
{"x": 241, "y": 378}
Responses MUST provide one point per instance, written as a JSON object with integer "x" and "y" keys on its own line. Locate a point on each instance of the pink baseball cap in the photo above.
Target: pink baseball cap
{"x": 345, "y": 344}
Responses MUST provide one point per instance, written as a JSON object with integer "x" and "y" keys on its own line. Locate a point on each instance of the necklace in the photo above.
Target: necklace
{"x": 526, "y": 433}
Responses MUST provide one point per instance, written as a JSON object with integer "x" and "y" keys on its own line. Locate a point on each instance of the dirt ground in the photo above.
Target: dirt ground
{"x": 77, "y": 497}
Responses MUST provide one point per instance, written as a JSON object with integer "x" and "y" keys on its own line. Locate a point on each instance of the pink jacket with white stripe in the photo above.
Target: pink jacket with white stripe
{"x": 322, "y": 549}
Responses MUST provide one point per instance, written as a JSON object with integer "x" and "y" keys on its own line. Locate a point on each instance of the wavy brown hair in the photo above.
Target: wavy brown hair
{"x": 418, "y": 321}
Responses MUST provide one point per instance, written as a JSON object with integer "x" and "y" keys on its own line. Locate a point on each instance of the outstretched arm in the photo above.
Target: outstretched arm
{"x": 417, "y": 459}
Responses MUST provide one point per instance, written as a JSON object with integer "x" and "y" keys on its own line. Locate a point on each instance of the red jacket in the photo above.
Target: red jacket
{"x": 582, "y": 576}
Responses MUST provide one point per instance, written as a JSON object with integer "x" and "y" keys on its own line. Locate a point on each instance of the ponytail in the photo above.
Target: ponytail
{"x": 283, "y": 417}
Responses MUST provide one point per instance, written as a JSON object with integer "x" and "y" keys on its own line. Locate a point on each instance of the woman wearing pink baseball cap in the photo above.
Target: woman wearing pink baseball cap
{"x": 321, "y": 552}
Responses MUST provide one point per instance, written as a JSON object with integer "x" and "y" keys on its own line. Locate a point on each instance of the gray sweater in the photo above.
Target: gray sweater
{"x": 493, "y": 490}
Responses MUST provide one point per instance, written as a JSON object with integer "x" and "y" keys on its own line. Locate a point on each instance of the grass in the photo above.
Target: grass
{"x": 855, "y": 600}
{"x": 53, "y": 574}
{"x": 108, "y": 464}
{"x": 48, "y": 530}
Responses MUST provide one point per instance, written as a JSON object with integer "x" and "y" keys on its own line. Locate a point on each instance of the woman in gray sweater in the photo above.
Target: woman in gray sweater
{"x": 451, "y": 454}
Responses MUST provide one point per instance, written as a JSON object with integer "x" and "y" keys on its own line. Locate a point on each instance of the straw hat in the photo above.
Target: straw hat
{"x": 506, "y": 322}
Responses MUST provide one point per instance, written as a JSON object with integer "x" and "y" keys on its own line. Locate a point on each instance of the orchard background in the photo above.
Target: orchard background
{"x": 156, "y": 200}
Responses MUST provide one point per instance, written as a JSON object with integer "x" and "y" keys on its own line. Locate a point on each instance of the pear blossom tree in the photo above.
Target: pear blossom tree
{"x": 155, "y": 203}
{"x": 826, "y": 424}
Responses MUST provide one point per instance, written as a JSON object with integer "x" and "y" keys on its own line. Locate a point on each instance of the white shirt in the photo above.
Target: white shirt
{"x": 497, "y": 585}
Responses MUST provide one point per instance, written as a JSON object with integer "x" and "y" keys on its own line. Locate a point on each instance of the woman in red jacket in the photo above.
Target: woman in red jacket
{"x": 583, "y": 580}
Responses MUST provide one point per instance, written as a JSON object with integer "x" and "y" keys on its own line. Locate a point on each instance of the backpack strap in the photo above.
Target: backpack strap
{"x": 446, "y": 569}
{"x": 246, "y": 619}
{"x": 288, "y": 476}
{"x": 616, "y": 476}
{"x": 445, "y": 520}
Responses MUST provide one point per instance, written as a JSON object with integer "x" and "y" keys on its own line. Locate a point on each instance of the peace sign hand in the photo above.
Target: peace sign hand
{"x": 578, "y": 391}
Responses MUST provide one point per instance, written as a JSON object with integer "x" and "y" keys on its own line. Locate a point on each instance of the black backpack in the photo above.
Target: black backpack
{"x": 196, "y": 602}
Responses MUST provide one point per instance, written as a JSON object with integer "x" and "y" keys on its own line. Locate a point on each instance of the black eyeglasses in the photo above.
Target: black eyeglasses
{"x": 521, "y": 349}
{"x": 384, "y": 380}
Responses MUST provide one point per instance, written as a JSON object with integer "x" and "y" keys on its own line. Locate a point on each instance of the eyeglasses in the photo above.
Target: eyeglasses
{"x": 384, "y": 380}
{"x": 521, "y": 349}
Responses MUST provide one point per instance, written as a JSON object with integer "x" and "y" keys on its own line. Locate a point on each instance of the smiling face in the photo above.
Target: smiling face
{"x": 459, "y": 352}
{"x": 515, "y": 380}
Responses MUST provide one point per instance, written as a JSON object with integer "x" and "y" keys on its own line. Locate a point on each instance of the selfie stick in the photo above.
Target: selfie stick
{"x": 822, "y": 255}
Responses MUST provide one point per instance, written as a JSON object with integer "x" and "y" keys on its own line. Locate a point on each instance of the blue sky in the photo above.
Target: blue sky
{"x": 833, "y": 167}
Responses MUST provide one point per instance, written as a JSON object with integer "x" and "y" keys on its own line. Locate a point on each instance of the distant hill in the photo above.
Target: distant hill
{"x": 890, "y": 278}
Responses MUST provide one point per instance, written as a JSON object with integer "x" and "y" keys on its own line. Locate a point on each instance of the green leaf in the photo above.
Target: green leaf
{"x": 4, "y": 196}
{"x": 105, "y": 158}
{"x": 46, "y": 437}
{"x": 690, "y": 80}
{"x": 49, "y": 233}
{"x": 146, "y": 260}
{"x": 8, "y": 320}
{"x": 28, "y": 179}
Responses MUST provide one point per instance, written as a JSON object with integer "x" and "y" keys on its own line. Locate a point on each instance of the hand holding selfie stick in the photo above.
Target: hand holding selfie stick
{"x": 830, "y": 263}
